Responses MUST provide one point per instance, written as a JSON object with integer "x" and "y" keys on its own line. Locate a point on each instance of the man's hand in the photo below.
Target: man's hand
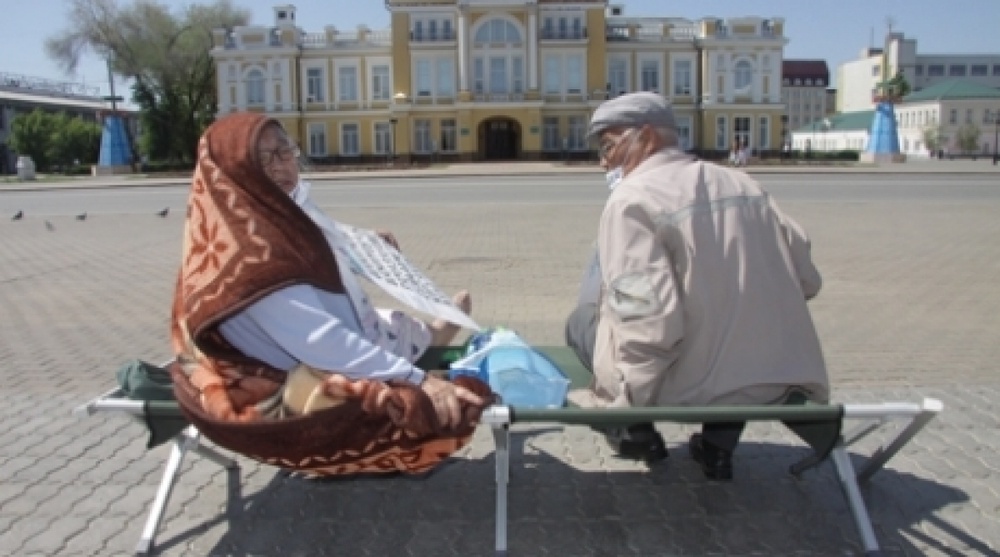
{"x": 447, "y": 398}
{"x": 388, "y": 237}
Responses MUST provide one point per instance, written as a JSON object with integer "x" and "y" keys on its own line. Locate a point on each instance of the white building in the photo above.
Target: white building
{"x": 940, "y": 110}
{"x": 804, "y": 91}
{"x": 856, "y": 80}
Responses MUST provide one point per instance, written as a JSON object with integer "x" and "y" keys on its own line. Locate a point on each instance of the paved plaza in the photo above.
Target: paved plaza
{"x": 909, "y": 310}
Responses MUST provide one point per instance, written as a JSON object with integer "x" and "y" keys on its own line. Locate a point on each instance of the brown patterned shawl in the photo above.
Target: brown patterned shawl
{"x": 245, "y": 238}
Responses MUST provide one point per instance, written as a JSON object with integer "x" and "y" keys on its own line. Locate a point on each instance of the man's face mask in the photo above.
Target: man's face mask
{"x": 617, "y": 174}
{"x": 614, "y": 176}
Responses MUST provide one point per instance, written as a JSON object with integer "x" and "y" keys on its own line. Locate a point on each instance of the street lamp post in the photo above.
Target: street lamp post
{"x": 392, "y": 153}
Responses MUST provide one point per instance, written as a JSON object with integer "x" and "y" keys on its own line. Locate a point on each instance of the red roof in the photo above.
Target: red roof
{"x": 805, "y": 69}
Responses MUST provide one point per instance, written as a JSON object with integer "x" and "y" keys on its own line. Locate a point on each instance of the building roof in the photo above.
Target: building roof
{"x": 953, "y": 89}
{"x": 65, "y": 102}
{"x": 843, "y": 122}
{"x": 805, "y": 69}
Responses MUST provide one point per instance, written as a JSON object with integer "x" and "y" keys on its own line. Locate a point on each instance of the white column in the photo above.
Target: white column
{"x": 758, "y": 80}
{"x": 463, "y": 51}
{"x": 532, "y": 49}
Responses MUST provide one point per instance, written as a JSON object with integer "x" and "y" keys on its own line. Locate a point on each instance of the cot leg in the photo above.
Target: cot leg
{"x": 182, "y": 444}
{"x": 883, "y": 454}
{"x": 501, "y": 437}
{"x": 845, "y": 471}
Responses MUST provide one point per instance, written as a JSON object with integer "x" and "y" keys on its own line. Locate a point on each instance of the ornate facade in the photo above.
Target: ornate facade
{"x": 501, "y": 79}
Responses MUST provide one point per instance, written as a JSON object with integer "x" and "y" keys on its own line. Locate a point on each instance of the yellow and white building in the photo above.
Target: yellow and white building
{"x": 500, "y": 79}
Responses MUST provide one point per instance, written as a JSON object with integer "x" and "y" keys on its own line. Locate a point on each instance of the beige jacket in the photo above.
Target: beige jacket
{"x": 704, "y": 289}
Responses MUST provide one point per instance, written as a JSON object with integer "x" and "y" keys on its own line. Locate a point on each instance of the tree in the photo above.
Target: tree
{"x": 55, "y": 139}
{"x": 166, "y": 55}
{"x": 934, "y": 138}
{"x": 29, "y": 135}
{"x": 968, "y": 138}
{"x": 73, "y": 141}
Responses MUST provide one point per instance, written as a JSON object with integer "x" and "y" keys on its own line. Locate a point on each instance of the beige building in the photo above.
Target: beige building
{"x": 500, "y": 79}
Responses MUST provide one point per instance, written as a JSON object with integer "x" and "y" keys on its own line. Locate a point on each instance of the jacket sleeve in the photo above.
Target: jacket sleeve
{"x": 641, "y": 300}
{"x": 800, "y": 250}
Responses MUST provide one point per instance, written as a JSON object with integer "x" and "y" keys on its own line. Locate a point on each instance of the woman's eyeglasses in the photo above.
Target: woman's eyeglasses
{"x": 285, "y": 154}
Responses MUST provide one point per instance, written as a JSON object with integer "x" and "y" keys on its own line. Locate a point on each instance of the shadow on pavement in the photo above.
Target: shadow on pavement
{"x": 572, "y": 504}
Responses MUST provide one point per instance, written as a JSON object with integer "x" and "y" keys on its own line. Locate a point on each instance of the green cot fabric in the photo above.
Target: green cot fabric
{"x": 818, "y": 425}
{"x": 151, "y": 384}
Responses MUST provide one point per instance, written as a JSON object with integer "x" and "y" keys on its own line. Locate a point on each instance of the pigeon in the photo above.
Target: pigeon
{"x": 164, "y": 212}
{"x": 18, "y": 215}
{"x": 51, "y": 227}
{"x": 82, "y": 216}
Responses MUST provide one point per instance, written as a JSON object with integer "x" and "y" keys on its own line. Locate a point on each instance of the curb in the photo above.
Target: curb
{"x": 426, "y": 175}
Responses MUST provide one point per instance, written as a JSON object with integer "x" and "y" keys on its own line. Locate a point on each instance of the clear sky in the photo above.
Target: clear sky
{"x": 834, "y": 31}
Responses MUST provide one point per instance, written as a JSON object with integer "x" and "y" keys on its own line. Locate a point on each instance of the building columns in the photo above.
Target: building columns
{"x": 463, "y": 50}
{"x": 533, "y": 48}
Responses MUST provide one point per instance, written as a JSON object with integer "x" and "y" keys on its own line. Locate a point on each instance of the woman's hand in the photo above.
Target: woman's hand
{"x": 447, "y": 398}
{"x": 388, "y": 237}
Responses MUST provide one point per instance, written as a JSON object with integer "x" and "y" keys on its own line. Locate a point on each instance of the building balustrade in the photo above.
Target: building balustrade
{"x": 432, "y": 37}
{"x": 650, "y": 32}
{"x": 562, "y": 34}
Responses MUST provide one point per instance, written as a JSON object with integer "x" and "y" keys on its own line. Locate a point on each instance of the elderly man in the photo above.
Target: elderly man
{"x": 701, "y": 288}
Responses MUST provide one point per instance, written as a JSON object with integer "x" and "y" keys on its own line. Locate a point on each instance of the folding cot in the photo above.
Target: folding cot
{"x": 820, "y": 426}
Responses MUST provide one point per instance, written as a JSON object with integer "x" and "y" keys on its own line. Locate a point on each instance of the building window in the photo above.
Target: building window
{"x": 380, "y": 83}
{"x": 350, "y": 142}
{"x": 996, "y": 70}
{"x": 518, "y": 74}
{"x": 446, "y": 77}
{"x": 918, "y": 70}
{"x": 743, "y": 75}
{"x": 577, "y": 133}
{"x": 314, "y": 85}
{"x": 498, "y": 75}
{"x": 741, "y": 131}
{"x": 383, "y": 138}
{"x": 553, "y": 70}
{"x": 650, "y": 76}
{"x": 449, "y": 136}
{"x": 432, "y": 30}
{"x": 978, "y": 70}
{"x": 968, "y": 116}
{"x": 684, "y": 133}
{"x": 721, "y": 133}
{"x": 425, "y": 77}
{"x": 447, "y": 33}
{"x": 550, "y": 133}
{"x": 953, "y": 116}
{"x": 574, "y": 73}
{"x": 347, "y": 79}
{"x": 876, "y": 70}
{"x": 317, "y": 140}
{"x": 255, "y": 87}
{"x": 935, "y": 70}
{"x": 418, "y": 30}
{"x": 764, "y": 133}
{"x": 956, "y": 70}
{"x": 497, "y": 31}
{"x": 617, "y": 76}
{"x": 422, "y": 136}
{"x": 682, "y": 77}
{"x": 478, "y": 76}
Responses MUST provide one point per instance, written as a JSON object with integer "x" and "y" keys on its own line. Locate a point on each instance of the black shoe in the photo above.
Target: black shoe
{"x": 716, "y": 463}
{"x": 638, "y": 442}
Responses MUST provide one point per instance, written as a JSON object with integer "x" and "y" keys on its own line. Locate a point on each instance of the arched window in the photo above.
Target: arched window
{"x": 255, "y": 86}
{"x": 497, "y": 31}
{"x": 744, "y": 74}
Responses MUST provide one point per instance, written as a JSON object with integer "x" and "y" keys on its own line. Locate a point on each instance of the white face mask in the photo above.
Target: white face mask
{"x": 614, "y": 176}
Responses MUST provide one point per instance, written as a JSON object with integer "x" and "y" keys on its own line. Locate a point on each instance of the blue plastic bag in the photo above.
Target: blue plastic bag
{"x": 522, "y": 376}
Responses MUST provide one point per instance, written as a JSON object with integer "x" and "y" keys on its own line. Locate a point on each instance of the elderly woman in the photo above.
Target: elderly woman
{"x": 266, "y": 288}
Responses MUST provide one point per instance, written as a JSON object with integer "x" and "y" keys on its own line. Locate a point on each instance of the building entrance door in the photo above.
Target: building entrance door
{"x": 500, "y": 139}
